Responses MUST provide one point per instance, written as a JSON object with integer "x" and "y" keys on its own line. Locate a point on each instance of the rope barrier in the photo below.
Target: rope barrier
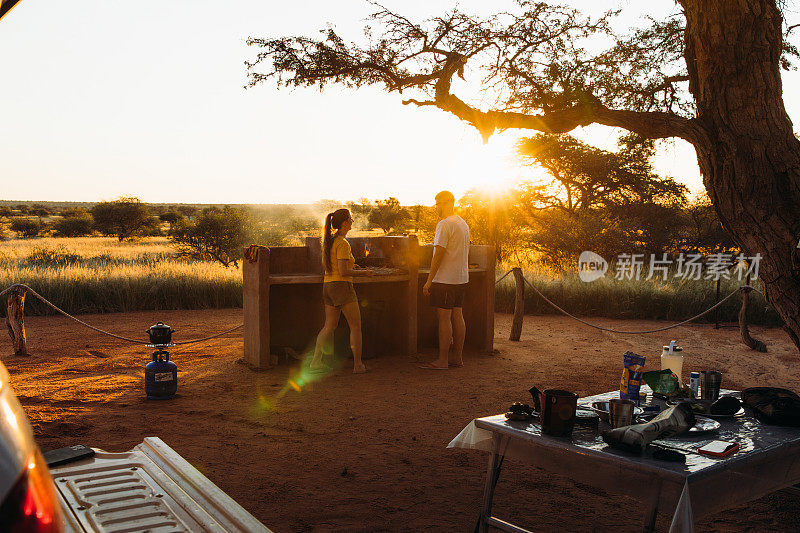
{"x": 104, "y": 332}
{"x": 503, "y": 276}
{"x": 546, "y": 299}
{"x": 220, "y": 334}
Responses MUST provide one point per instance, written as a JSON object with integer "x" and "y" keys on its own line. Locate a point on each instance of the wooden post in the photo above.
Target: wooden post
{"x": 716, "y": 301}
{"x": 491, "y": 265}
{"x": 411, "y": 252}
{"x": 753, "y": 344}
{"x": 15, "y": 320}
{"x": 519, "y": 304}
{"x": 255, "y": 274}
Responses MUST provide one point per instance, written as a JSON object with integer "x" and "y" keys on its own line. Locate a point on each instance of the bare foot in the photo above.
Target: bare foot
{"x": 359, "y": 369}
{"x": 456, "y": 364}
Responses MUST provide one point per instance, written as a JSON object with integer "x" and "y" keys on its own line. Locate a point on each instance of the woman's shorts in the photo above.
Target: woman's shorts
{"x": 338, "y": 293}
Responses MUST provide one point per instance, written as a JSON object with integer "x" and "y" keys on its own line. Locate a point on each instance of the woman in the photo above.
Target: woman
{"x": 337, "y": 290}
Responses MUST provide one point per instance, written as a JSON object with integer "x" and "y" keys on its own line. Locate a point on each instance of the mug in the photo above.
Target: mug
{"x": 556, "y": 409}
{"x": 620, "y": 413}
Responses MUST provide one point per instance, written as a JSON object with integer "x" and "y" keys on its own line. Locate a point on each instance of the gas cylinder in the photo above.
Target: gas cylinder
{"x": 160, "y": 377}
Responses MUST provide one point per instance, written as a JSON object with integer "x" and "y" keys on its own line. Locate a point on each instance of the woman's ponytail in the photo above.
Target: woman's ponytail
{"x": 327, "y": 242}
{"x": 333, "y": 221}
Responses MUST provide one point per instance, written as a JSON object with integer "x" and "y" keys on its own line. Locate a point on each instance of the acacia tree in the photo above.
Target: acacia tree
{"x": 388, "y": 215}
{"x": 125, "y": 218}
{"x": 709, "y": 74}
{"x": 585, "y": 177}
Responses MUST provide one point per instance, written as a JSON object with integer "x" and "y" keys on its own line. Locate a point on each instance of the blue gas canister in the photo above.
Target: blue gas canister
{"x": 160, "y": 377}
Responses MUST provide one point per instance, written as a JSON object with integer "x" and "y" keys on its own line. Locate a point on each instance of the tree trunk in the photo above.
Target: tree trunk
{"x": 753, "y": 344}
{"x": 15, "y": 322}
{"x": 748, "y": 154}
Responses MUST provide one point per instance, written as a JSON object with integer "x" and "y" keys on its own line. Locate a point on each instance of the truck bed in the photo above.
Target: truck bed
{"x": 150, "y": 488}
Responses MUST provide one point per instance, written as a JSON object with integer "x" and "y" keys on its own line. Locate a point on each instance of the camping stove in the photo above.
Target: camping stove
{"x": 160, "y": 374}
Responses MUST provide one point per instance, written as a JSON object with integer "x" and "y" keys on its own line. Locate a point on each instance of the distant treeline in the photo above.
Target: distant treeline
{"x": 608, "y": 202}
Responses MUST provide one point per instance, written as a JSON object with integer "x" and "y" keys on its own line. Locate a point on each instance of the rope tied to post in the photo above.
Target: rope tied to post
{"x": 744, "y": 288}
{"x": 99, "y": 330}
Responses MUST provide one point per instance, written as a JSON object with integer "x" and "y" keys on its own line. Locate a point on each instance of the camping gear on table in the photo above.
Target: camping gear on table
{"x": 726, "y": 406}
{"x": 556, "y": 409}
{"x": 672, "y": 358}
{"x": 620, "y": 412}
{"x": 773, "y": 405}
{"x": 519, "y": 411}
{"x": 710, "y": 381}
{"x": 672, "y": 421}
{"x": 602, "y": 409}
{"x": 694, "y": 384}
{"x": 633, "y": 365}
{"x": 664, "y": 383}
{"x": 719, "y": 448}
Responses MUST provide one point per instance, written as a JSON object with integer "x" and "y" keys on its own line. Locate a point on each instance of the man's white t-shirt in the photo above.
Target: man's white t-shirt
{"x": 452, "y": 234}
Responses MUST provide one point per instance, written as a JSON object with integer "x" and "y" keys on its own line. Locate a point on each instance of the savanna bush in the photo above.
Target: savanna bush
{"x": 56, "y": 256}
{"x": 26, "y": 227}
{"x": 79, "y": 225}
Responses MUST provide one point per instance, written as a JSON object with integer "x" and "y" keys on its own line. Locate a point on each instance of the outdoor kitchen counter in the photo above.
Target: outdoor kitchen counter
{"x": 310, "y": 278}
{"x": 426, "y": 271}
{"x": 296, "y": 279}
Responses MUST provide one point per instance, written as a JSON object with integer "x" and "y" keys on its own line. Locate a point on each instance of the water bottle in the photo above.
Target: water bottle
{"x": 694, "y": 383}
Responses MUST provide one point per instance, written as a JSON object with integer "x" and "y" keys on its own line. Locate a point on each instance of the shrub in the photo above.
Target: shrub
{"x": 217, "y": 234}
{"x": 76, "y": 225}
{"x": 26, "y": 227}
{"x": 49, "y": 257}
{"x": 389, "y": 215}
{"x": 123, "y": 218}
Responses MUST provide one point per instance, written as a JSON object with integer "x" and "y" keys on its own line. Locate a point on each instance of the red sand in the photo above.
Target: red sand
{"x": 367, "y": 452}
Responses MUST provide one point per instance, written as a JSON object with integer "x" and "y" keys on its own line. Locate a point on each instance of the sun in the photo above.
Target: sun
{"x": 492, "y": 168}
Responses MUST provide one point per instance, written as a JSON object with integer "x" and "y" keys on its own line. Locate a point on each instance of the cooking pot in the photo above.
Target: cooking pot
{"x": 160, "y": 333}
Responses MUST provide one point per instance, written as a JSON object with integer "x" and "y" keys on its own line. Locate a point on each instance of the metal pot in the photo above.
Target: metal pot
{"x": 160, "y": 334}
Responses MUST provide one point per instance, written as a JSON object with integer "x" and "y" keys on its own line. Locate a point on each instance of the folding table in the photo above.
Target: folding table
{"x": 768, "y": 460}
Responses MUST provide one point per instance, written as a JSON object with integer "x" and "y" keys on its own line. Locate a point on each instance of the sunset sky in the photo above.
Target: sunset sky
{"x": 103, "y": 98}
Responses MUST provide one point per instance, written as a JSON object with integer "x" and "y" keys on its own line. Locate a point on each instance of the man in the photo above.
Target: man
{"x": 447, "y": 281}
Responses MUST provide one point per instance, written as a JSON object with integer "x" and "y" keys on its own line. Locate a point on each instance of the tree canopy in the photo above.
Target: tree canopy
{"x": 548, "y": 67}
{"x": 585, "y": 177}
{"x": 123, "y": 218}
{"x": 389, "y": 215}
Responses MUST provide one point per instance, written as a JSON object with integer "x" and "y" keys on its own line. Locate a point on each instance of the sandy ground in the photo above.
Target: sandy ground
{"x": 367, "y": 452}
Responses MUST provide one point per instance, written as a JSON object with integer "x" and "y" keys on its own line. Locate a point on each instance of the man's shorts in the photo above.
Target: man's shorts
{"x": 447, "y": 295}
{"x": 338, "y": 293}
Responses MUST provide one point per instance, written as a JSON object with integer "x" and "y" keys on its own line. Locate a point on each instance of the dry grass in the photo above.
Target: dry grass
{"x": 93, "y": 274}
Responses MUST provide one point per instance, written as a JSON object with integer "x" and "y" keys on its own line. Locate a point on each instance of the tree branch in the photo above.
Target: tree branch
{"x": 648, "y": 124}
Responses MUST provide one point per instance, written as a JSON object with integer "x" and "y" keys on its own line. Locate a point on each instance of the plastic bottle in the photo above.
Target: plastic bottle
{"x": 694, "y": 383}
{"x": 672, "y": 358}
